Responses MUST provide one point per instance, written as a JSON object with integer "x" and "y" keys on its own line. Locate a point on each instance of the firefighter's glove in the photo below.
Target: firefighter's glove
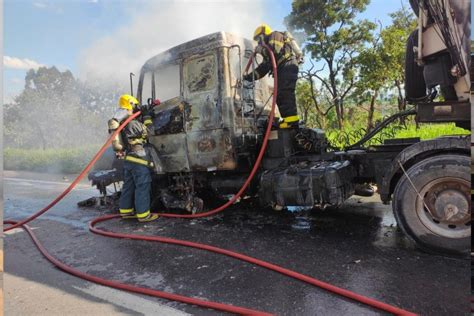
{"x": 143, "y": 109}
{"x": 147, "y": 114}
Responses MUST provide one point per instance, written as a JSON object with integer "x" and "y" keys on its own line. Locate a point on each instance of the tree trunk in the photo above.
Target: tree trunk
{"x": 402, "y": 103}
{"x": 339, "y": 115}
{"x": 341, "y": 105}
{"x": 370, "y": 117}
{"x": 334, "y": 94}
{"x": 305, "y": 115}
{"x": 337, "y": 106}
{"x": 41, "y": 136}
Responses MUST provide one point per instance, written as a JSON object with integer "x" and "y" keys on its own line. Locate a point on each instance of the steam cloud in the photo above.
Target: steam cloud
{"x": 158, "y": 26}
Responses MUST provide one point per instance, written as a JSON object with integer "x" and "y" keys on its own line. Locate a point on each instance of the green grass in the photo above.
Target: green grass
{"x": 73, "y": 160}
{"x": 429, "y": 131}
{"x": 65, "y": 160}
{"x": 425, "y": 131}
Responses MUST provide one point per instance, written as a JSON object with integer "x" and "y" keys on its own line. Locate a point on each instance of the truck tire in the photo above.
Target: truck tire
{"x": 441, "y": 221}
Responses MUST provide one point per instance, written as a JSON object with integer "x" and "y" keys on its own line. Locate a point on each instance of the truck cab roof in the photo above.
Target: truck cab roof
{"x": 197, "y": 46}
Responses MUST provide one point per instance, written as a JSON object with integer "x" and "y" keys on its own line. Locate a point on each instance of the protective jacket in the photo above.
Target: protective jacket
{"x": 287, "y": 59}
{"x": 131, "y": 140}
{"x": 134, "y": 136}
{"x": 281, "y": 46}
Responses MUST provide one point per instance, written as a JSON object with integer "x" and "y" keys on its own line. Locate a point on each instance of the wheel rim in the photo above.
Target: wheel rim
{"x": 446, "y": 210}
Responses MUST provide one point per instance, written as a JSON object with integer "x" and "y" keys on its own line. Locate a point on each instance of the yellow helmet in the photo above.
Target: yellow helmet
{"x": 127, "y": 102}
{"x": 262, "y": 29}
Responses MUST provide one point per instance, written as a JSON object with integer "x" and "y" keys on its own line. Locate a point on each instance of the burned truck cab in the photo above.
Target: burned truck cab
{"x": 206, "y": 123}
{"x": 209, "y": 128}
{"x": 203, "y": 111}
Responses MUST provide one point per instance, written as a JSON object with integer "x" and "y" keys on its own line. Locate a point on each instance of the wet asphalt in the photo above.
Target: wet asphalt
{"x": 356, "y": 247}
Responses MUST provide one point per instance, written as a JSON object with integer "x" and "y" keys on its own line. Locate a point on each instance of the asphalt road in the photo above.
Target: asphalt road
{"x": 356, "y": 247}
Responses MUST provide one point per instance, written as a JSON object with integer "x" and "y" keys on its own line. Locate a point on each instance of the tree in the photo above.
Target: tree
{"x": 313, "y": 106}
{"x": 382, "y": 63}
{"x": 334, "y": 37}
{"x": 51, "y": 113}
{"x": 372, "y": 76}
{"x": 394, "y": 39}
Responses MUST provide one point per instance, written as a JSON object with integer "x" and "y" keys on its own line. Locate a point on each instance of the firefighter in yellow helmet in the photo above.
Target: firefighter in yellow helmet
{"x": 130, "y": 145}
{"x": 288, "y": 56}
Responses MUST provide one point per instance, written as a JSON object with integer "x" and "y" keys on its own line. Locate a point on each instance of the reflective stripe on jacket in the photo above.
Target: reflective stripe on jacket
{"x": 135, "y": 136}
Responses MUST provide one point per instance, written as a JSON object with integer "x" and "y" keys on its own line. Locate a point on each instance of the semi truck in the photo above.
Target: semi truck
{"x": 209, "y": 127}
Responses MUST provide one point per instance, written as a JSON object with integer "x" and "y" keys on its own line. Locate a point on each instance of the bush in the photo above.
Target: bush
{"x": 67, "y": 160}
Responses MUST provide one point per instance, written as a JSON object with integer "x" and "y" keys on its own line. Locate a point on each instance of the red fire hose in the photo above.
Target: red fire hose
{"x": 77, "y": 180}
{"x": 180, "y": 298}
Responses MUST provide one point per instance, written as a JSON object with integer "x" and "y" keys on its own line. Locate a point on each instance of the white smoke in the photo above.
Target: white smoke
{"x": 157, "y": 26}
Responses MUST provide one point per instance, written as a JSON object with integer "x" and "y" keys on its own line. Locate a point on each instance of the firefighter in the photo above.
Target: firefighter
{"x": 130, "y": 145}
{"x": 288, "y": 56}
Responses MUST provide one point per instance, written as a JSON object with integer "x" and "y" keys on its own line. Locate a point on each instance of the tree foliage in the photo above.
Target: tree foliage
{"x": 394, "y": 38}
{"x": 334, "y": 37}
{"x": 353, "y": 63}
{"x": 55, "y": 110}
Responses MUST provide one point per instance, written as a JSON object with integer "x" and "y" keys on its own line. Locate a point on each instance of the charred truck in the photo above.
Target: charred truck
{"x": 209, "y": 128}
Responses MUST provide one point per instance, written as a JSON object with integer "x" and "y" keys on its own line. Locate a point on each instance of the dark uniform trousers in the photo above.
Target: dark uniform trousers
{"x": 136, "y": 188}
{"x": 286, "y": 100}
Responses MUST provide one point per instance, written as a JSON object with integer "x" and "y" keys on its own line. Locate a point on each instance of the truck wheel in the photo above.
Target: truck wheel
{"x": 438, "y": 219}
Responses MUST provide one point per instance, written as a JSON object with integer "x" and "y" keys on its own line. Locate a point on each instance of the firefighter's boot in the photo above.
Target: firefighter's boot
{"x": 148, "y": 218}
{"x": 290, "y": 122}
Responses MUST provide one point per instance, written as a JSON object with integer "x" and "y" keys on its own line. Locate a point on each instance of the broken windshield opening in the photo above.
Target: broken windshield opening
{"x": 162, "y": 83}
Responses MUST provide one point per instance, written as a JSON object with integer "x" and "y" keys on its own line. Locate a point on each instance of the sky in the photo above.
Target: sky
{"x": 100, "y": 39}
